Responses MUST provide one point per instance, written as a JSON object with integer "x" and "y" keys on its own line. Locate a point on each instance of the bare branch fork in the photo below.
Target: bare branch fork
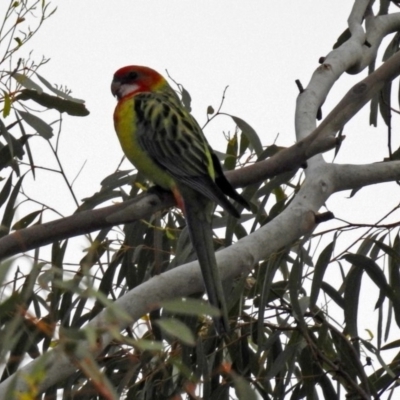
{"x": 297, "y": 220}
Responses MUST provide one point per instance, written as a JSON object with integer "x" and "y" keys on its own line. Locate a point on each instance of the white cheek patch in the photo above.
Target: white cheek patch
{"x": 126, "y": 89}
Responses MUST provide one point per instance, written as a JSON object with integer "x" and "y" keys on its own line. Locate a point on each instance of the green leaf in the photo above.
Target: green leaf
{"x": 319, "y": 271}
{"x": 8, "y": 137}
{"x": 255, "y": 142}
{"x": 177, "y": 329}
{"x": 8, "y": 305}
{"x": 351, "y": 299}
{"x": 6, "y": 190}
{"x": 186, "y": 99}
{"x": 244, "y": 144}
{"x": 41, "y": 127}
{"x": 373, "y": 270}
{"x": 149, "y": 345}
{"x": 19, "y": 41}
{"x": 385, "y": 103}
{"x": 243, "y": 388}
{"x": 16, "y": 145}
{"x": 99, "y": 197}
{"x": 26, "y": 221}
{"x": 344, "y": 37}
{"x": 231, "y": 153}
{"x": 10, "y": 210}
{"x": 391, "y": 345}
{"x": 59, "y": 93}
{"x": 25, "y": 81}
{"x": 71, "y": 107}
{"x": 189, "y": 306}
{"x": 391, "y": 252}
{"x": 280, "y": 362}
{"x": 7, "y": 105}
{"x": 118, "y": 179}
{"x": 333, "y": 294}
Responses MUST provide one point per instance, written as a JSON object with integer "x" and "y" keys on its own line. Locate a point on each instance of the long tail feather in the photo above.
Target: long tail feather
{"x": 198, "y": 218}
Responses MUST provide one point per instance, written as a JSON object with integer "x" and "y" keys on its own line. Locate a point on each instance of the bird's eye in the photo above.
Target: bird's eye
{"x": 132, "y": 75}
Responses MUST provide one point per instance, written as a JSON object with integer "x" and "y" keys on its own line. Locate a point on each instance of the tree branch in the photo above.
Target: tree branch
{"x": 146, "y": 204}
{"x": 357, "y": 176}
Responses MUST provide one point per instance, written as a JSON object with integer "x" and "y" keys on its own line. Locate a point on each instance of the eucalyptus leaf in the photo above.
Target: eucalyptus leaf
{"x": 58, "y": 92}
{"x": 41, "y": 127}
{"x": 26, "y": 81}
{"x": 254, "y": 140}
{"x": 177, "y": 329}
{"x": 48, "y": 101}
{"x": 189, "y": 306}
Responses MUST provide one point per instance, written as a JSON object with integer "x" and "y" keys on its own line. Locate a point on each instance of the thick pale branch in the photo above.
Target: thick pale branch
{"x": 357, "y": 176}
{"x": 357, "y": 97}
{"x": 352, "y": 56}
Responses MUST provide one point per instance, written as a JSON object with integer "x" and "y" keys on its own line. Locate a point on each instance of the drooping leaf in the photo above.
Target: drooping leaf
{"x": 149, "y": 345}
{"x": 243, "y": 388}
{"x": 190, "y": 306}
{"x": 24, "y": 140}
{"x": 118, "y": 179}
{"x": 6, "y": 155}
{"x": 98, "y": 198}
{"x": 231, "y": 153}
{"x": 10, "y": 210}
{"x": 41, "y": 127}
{"x": 373, "y": 270}
{"x": 281, "y": 360}
{"x": 351, "y": 300}
{"x": 186, "y": 98}
{"x": 344, "y": 37}
{"x": 251, "y": 134}
{"x": 26, "y": 81}
{"x": 5, "y": 192}
{"x": 8, "y": 137}
{"x": 385, "y": 103}
{"x": 333, "y": 294}
{"x": 178, "y": 330}
{"x": 58, "y": 92}
{"x": 7, "y": 105}
{"x": 71, "y": 107}
{"x": 244, "y": 144}
{"x": 319, "y": 271}
{"x": 26, "y": 221}
{"x": 391, "y": 345}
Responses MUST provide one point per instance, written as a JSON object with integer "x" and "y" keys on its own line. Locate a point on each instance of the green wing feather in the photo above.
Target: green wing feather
{"x": 175, "y": 141}
{"x": 172, "y": 138}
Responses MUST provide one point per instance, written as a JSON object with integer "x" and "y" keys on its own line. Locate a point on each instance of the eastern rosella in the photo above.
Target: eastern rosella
{"x": 164, "y": 142}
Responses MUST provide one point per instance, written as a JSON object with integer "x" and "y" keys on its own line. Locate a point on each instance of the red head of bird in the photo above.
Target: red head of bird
{"x": 134, "y": 79}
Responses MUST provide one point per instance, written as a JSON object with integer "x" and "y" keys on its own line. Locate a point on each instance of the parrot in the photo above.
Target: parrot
{"x": 166, "y": 144}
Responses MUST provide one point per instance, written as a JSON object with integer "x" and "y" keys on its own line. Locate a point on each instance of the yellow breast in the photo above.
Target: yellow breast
{"x": 126, "y": 128}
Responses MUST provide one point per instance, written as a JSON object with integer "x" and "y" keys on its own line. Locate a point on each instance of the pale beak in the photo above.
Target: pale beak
{"x": 115, "y": 86}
